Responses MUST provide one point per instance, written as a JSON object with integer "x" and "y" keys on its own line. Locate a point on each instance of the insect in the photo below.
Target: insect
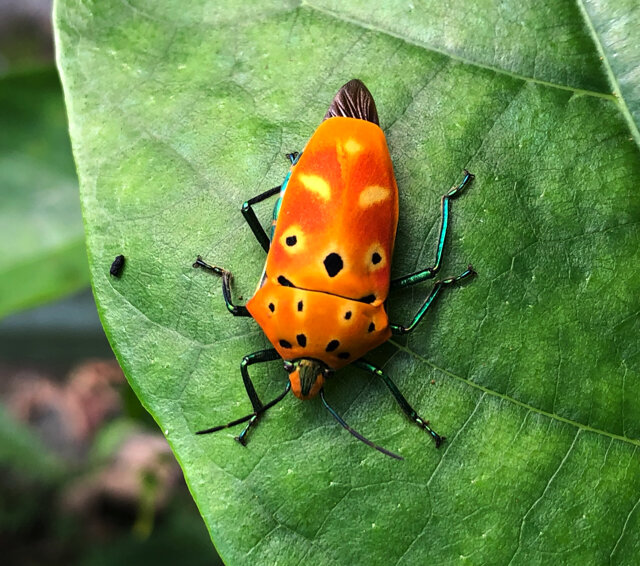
{"x": 321, "y": 298}
{"x": 117, "y": 266}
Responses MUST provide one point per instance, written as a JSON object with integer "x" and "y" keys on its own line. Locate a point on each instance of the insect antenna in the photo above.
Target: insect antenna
{"x": 249, "y": 416}
{"x": 355, "y": 432}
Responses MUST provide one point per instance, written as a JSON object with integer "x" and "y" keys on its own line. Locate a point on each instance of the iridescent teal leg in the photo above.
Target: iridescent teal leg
{"x": 404, "y": 404}
{"x": 252, "y": 219}
{"x": 258, "y": 408}
{"x": 293, "y": 157}
{"x": 235, "y": 310}
{"x": 250, "y": 215}
{"x": 398, "y": 329}
{"x": 430, "y": 272}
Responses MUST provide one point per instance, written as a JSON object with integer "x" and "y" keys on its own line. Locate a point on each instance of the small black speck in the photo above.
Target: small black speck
{"x": 333, "y": 264}
{"x": 284, "y": 281}
{"x": 347, "y": 315}
{"x": 291, "y": 240}
{"x": 344, "y": 355}
{"x": 331, "y": 346}
{"x": 117, "y": 266}
{"x": 300, "y": 305}
{"x": 367, "y": 299}
{"x": 302, "y": 340}
{"x": 372, "y": 327}
{"x": 272, "y": 307}
{"x": 376, "y": 258}
{"x": 285, "y": 344}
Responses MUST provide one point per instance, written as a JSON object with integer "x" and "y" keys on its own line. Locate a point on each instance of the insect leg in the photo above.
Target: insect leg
{"x": 399, "y": 329}
{"x": 430, "y": 272}
{"x": 399, "y": 397}
{"x": 235, "y": 310}
{"x": 255, "y": 358}
{"x": 250, "y": 215}
{"x": 258, "y": 407}
{"x": 252, "y": 219}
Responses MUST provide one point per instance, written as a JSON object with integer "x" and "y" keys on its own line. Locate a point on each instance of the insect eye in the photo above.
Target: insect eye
{"x": 289, "y": 367}
{"x": 327, "y": 372}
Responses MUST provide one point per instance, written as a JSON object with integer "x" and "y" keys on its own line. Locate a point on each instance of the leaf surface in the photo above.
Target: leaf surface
{"x": 179, "y": 112}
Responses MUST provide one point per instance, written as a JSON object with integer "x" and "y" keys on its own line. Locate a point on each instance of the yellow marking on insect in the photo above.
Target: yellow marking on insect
{"x": 316, "y": 185}
{"x": 352, "y": 146}
{"x": 373, "y": 194}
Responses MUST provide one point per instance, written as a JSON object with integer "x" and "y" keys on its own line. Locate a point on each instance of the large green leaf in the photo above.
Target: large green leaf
{"x": 180, "y": 111}
{"x": 42, "y": 251}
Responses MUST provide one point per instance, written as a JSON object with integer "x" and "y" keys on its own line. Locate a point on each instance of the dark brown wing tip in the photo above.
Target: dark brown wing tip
{"x": 353, "y": 100}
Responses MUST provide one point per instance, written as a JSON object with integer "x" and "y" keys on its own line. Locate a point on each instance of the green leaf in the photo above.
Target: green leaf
{"x": 613, "y": 26}
{"x": 181, "y": 111}
{"x": 42, "y": 251}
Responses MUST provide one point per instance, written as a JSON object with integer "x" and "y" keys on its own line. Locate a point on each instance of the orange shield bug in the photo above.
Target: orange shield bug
{"x": 321, "y": 298}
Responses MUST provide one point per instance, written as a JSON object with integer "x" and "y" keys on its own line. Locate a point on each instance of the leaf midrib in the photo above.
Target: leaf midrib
{"x": 503, "y": 396}
{"x": 617, "y": 96}
{"x": 470, "y": 62}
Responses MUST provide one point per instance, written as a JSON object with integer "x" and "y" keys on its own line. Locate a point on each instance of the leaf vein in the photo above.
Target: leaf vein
{"x": 620, "y": 100}
{"x": 624, "y": 528}
{"x": 497, "y": 70}
{"x": 546, "y": 488}
{"x": 435, "y": 470}
{"x": 470, "y": 383}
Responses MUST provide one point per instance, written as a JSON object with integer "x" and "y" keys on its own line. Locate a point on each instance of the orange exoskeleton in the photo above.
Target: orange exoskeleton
{"x": 321, "y": 298}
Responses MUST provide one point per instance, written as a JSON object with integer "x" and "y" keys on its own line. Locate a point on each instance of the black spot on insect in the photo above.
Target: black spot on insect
{"x": 300, "y": 305}
{"x": 344, "y": 355}
{"x": 272, "y": 307}
{"x": 284, "y": 281}
{"x": 372, "y": 327}
{"x": 291, "y": 241}
{"x": 347, "y": 315}
{"x": 302, "y": 340}
{"x": 376, "y": 258}
{"x": 117, "y": 266}
{"x": 331, "y": 346}
{"x": 285, "y": 344}
{"x": 367, "y": 299}
{"x": 333, "y": 264}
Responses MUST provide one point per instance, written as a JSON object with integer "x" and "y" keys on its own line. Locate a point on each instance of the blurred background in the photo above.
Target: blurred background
{"x": 85, "y": 476}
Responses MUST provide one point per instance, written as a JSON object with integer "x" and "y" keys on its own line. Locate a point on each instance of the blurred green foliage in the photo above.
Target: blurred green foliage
{"x": 42, "y": 251}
